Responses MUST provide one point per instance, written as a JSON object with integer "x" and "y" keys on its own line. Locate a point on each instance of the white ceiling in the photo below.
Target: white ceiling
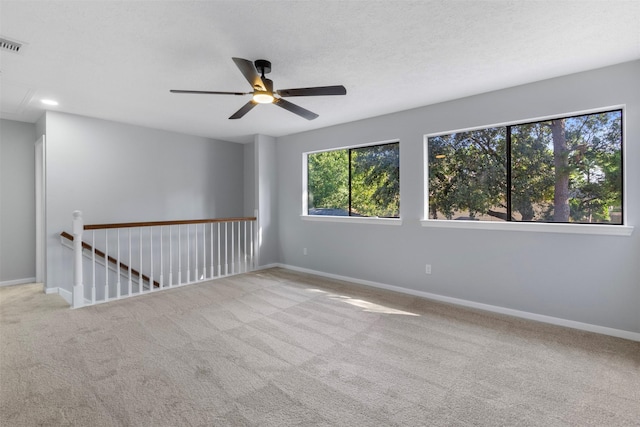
{"x": 117, "y": 60}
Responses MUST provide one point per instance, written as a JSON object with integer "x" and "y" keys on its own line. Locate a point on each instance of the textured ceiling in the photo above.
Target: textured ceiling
{"x": 118, "y": 60}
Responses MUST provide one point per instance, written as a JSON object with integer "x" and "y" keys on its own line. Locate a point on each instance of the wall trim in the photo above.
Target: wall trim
{"x": 273, "y": 265}
{"x": 65, "y": 294}
{"x": 619, "y": 333}
{"x": 352, "y": 219}
{"x": 18, "y": 281}
{"x": 541, "y": 227}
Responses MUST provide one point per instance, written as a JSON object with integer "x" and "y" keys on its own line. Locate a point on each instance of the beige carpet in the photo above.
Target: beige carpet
{"x": 278, "y": 348}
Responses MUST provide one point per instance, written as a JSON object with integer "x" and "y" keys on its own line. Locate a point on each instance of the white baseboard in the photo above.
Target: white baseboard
{"x": 268, "y": 266}
{"x": 68, "y": 296}
{"x": 634, "y": 336}
{"x": 18, "y": 281}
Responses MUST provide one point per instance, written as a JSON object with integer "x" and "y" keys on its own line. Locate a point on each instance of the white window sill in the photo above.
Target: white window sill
{"x": 352, "y": 219}
{"x": 601, "y": 229}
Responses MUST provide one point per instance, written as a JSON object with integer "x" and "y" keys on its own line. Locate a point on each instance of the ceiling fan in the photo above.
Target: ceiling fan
{"x": 263, "y": 92}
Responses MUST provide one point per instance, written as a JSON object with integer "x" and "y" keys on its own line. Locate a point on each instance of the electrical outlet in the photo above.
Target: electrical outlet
{"x": 427, "y": 268}
{"x": 304, "y": 251}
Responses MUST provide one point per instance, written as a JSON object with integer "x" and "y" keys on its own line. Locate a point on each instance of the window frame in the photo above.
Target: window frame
{"x": 345, "y": 219}
{"x": 623, "y": 229}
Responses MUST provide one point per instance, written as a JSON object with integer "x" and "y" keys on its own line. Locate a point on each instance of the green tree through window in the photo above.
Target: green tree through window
{"x": 361, "y": 181}
{"x": 562, "y": 170}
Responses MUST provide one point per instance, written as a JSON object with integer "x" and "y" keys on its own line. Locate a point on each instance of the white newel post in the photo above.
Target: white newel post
{"x": 78, "y": 286}
{"x": 257, "y": 235}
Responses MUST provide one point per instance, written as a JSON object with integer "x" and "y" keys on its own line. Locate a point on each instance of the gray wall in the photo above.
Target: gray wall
{"x": 17, "y": 201}
{"x": 584, "y": 278}
{"x": 114, "y": 172}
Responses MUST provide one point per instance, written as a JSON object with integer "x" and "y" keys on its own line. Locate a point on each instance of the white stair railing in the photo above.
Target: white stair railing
{"x": 143, "y": 257}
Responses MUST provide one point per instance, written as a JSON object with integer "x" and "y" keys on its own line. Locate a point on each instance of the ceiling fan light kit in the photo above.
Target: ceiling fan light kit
{"x": 263, "y": 92}
{"x": 263, "y": 97}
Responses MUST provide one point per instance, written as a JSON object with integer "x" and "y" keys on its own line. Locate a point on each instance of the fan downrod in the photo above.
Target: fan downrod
{"x": 263, "y": 66}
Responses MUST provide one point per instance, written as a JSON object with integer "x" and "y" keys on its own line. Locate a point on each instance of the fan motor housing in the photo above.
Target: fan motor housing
{"x": 263, "y": 66}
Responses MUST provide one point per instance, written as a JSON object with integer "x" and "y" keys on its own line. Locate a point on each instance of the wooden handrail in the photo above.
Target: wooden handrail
{"x": 158, "y": 223}
{"x": 111, "y": 259}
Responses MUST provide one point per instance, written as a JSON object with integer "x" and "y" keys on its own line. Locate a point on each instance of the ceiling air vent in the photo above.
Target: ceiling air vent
{"x": 10, "y": 45}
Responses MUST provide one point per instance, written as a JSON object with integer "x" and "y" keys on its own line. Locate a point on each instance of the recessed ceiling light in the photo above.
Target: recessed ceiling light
{"x": 49, "y": 102}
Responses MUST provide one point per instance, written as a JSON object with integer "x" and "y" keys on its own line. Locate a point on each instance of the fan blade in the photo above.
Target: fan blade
{"x": 249, "y": 72}
{"x": 244, "y": 110}
{"x": 295, "y": 109}
{"x": 205, "y": 92}
{"x": 314, "y": 91}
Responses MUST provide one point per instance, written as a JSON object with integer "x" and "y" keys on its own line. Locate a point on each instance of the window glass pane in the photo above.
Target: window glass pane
{"x": 568, "y": 170}
{"x": 532, "y": 172}
{"x": 467, "y": 175}
{"x": 328, "y": 183}
{"x": 565, "y": 170}
{"x": 375, "y": 181}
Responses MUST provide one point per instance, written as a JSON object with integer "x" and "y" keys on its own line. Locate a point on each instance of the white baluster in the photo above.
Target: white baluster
{"x": 161, "y": 261}
{"x": 93, "y": 267}
{"x": 251, "y": 249}
{"x": 245, "y": 247}
{"x": 118, "y": 264}
{"x": 106, "y": 264}
{"x": 170, "y": 256}
{"x": 204, "y": 251}
{"x": 140, "y": 279}
{"x": 129, "y": 279}
{"x": 78, "y": 287}
{"x": 226, "y": 251}
{"x": 188, "y": 251}
{"x": 151, "y": 259}
{"x": 239, "y": 256}
{"x": 211, "y": 253}
{"x": 233, "y": 262}
{"x": 179, "y": 255}
{"x": 218, "y": 237}
{"x": 195, "y": 258}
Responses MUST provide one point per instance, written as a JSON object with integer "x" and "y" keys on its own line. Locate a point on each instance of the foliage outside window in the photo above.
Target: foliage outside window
{"x": 359, "y": 181}
{"x": 565, "y": 170}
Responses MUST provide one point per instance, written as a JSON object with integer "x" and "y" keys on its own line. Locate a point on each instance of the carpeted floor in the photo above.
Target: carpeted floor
{"x": 279, "y": 348}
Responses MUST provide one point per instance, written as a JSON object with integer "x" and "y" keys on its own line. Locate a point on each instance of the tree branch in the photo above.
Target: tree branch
{"x": 501, "y": 215}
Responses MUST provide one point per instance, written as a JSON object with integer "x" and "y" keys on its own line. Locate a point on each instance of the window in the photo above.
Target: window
{"x": 562, "y": 170}
{"x": 358, "y": 181}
